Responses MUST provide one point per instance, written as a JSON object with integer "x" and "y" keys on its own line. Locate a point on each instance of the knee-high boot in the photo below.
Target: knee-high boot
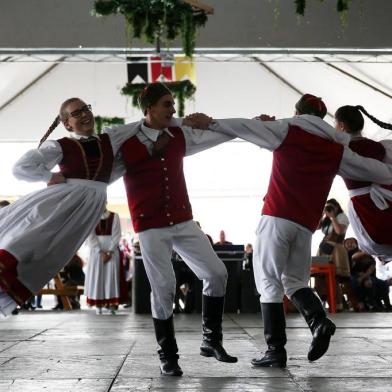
{"x": 164, "y": 332}
{"x": 275, "y": 336}
{"x": 322, "y": 328}
{"x": 211, "y": 345}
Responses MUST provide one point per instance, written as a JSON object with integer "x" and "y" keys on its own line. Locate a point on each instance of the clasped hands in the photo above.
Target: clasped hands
{"x": 202, "y": 121}
{"x": 105, "y": 256}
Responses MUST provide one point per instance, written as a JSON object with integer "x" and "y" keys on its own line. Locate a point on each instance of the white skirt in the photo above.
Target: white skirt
{"x": 102, "y": 284}
{"x": 44, "y": 229}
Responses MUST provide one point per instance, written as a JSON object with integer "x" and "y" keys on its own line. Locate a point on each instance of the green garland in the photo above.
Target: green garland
{"x": 181, "y": 91}
{"x": 341, "y": 6}
{"x": 154, "y": 20}
{"x": 101, "y": 122}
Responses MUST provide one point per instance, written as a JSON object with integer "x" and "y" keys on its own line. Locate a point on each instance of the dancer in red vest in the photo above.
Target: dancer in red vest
{"x": 370, "y": 208}
{"x": 307, "y": 154}
{"x": 162, "y": 216}
{"x": 41, "y": 232}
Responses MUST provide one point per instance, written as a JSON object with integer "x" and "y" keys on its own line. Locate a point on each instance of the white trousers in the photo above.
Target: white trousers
{"x": 193, "y": 246}
{"x": 281, "y": 258}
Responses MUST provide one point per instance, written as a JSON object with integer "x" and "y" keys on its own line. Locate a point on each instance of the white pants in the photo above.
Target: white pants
{"x": 281, "y": 259}
{"x": 193, "y": 246}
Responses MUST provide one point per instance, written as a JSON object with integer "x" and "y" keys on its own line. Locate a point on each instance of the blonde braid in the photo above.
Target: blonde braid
{"x": 50, "y": 130}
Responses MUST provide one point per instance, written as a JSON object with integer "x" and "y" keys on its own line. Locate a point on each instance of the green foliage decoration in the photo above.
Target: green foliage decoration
{"x": 101, "y": 122}
{"x": 181, "y": 91}
{"x": 156, "y": 20}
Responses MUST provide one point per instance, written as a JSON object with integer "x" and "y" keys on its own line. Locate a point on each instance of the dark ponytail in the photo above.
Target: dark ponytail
{"x": 351, "y": 117}
{"x": 50, "y": 130}
{"x": 374, "y": 119}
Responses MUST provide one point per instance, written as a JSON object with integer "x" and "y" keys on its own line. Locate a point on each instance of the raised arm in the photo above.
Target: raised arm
{"x": 36, "y": 164}
{"x": 357, "y": 167}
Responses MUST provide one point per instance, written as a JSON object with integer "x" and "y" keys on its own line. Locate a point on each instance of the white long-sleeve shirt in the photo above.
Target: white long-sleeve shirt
{"x": 36, "y": 164}
{"x": 196, "y": 140}
{"x": 271, "y": 134}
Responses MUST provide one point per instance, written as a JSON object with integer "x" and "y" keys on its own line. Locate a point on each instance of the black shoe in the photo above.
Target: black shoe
{"x": 271, "y": 358}
{"x": 164, "y": 332}
{"x": 208, "y": 349}
{"x": 212, "y": 315}
{"x": 322, "y": 328}
{"x": 321, "y": 338}
{"x": 275, "y": 336}
{"x": 170, "y": 367}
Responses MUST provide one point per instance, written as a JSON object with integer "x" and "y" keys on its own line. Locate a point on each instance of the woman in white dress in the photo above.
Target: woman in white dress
{"x": 102, "y": 285}
{"x": 41, "y": 231}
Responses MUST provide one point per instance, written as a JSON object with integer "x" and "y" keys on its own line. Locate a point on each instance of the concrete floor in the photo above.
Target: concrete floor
{"x": 80, "y": 351}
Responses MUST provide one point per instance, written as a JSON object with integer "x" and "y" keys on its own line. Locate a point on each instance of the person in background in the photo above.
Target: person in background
{"x": 248, "y": 264}
{"x": 351, "y": 245}
{"x": 334, "y": 225}
{"x": 102, "y": 287}
{"x": 373, "y": 293}
{"x": 222, "y": 239}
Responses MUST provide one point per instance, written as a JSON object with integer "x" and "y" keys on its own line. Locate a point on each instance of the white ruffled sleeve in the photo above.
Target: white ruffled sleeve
{"x": 36, "y": 165}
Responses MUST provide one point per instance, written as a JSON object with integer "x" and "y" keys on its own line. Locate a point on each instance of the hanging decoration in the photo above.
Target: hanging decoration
{"x": 341, "y": 6}
{"x": 101, "y": 122}
{"x": 158, "y": 21}
{"x": 178, "y": 74}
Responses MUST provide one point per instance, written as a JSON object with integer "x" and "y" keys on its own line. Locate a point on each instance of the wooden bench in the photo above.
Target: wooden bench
{"x": 64, "y": 292}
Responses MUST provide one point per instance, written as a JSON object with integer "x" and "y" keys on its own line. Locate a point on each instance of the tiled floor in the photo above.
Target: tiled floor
{"x": 80, "y": 351}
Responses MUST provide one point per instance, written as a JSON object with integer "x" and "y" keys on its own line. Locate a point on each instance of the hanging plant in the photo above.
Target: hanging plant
{"x": 157, "y": 20}
{"x": 341, "y": 6}
{"x": 101, "y": 122}
{"x": 181, "y": 91}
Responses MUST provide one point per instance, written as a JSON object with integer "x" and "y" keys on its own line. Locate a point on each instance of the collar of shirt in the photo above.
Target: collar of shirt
{"x": 105, "y": 214}
{"x": 81, "y": 137}
{"x": 152, "y": 133}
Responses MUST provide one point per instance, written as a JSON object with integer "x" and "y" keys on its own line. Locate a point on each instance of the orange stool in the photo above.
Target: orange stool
{"x": 329, "y": 270}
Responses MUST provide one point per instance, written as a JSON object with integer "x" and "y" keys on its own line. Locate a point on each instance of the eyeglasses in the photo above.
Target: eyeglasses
{"x": 78, "y": 113}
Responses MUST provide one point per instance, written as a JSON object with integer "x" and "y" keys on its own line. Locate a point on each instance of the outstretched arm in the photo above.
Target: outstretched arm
{"x": 265, "y": 134}
{"x": 357, "y": 167}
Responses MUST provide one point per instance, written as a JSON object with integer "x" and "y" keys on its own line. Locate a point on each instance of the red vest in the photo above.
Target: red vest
{"x": 78, "y": 162}
{"x": 303, "y": 169}
{"x": 104, "y": 227}
{"x": 155, "y": 185}
{"x": 377, "y": 223}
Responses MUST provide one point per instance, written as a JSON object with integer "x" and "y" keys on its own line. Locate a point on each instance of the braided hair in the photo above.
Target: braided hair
{"x": 374, "y": 119}
{"x": 60, "y": 118}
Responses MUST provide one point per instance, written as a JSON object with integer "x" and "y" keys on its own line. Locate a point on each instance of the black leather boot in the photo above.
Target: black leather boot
{"x": 211, "y": 345}
{"x": 310, "y": 306}
{"x": 164, "y": 332}
{"x": 275, "y": 336}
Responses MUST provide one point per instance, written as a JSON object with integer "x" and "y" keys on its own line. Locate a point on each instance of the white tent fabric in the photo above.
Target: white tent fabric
{"x": 227, "y": 183}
